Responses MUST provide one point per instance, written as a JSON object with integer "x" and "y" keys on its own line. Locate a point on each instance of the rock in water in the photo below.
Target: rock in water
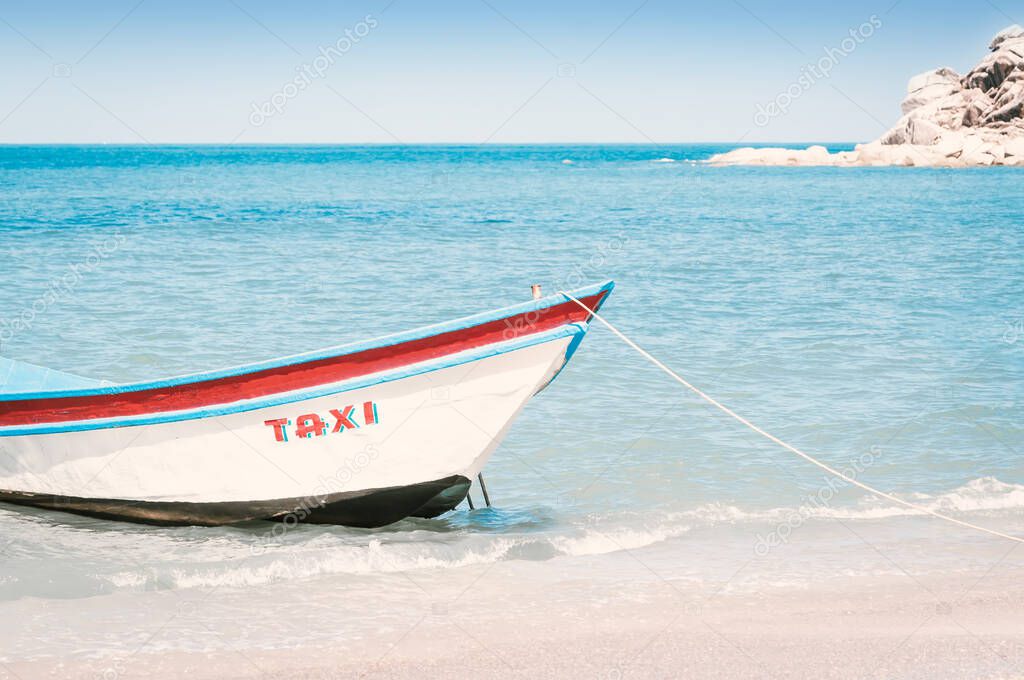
{"x": 948, "y": 119}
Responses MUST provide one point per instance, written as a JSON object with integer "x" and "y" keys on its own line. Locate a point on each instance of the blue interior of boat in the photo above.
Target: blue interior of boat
{"x": 19, "y": 376}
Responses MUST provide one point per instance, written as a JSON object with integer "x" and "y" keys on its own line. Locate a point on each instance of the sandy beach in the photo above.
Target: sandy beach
{"x": 895, "y": 617}
{"x": 935, "y": 628}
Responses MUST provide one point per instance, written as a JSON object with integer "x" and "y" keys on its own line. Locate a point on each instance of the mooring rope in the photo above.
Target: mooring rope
{"x": 732, "y": 414}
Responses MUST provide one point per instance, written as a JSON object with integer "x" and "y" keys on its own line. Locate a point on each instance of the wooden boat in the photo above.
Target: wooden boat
{"x": 361, "y": 435}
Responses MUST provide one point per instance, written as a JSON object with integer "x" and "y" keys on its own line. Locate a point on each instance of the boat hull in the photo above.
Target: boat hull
{"x": 361, "y": 438}
{"x": 357, "y": 457}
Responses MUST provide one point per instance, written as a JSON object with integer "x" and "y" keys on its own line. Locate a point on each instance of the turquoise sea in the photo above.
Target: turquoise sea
{"x": 871, "y": 316}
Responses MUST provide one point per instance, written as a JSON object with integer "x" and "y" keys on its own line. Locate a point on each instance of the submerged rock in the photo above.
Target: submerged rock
{"x": 948, "y": 120}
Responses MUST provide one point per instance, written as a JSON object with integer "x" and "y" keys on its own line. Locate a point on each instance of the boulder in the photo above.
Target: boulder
{"x": 865, "y": 154}
{"x": 1015, "y": 46}
{"x": 938, "y": 76}
{"x": 978, "y": 150}
{"x": 948, "y": 111}
{"x": 898, "y": 133}
{"x": 817, "y": 152}
{"x": 976, "y": 104}
{"x": 889, "y": 154}
{"x": 1008, "y": 33}
{"x": 1008, "y": 106}
{"x": 1014, "y": 147}
{"x": 992, "y": 70}
{"x": 924, "y": 125}
{"x": 950, "y": 144}
{"x": 923, "y": 132}
{"x": 930, "y": 86}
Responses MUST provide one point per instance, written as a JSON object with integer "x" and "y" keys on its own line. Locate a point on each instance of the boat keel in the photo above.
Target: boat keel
{"x": 444, "y": 501}
{"x": 364, "y": 508}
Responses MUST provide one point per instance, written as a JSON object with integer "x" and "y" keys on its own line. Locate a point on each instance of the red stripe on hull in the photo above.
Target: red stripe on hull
{"x": 292, "y": 377}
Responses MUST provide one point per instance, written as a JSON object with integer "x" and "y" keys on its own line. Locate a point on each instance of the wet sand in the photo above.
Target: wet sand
{"x": 966, "y": 626}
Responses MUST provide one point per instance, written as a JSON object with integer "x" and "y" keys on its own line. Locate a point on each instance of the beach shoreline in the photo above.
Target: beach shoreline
{"x": 969, "y": 625}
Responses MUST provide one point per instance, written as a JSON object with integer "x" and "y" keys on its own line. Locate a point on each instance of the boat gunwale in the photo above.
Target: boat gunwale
{"x": 573, "y": 330}
{"x": 333, "y": 352}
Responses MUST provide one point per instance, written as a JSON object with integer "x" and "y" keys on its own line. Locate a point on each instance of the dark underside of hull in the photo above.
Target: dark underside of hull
{"x": 365, "y": 508}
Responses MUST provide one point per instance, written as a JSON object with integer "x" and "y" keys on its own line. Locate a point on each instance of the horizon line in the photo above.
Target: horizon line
{"x": 445, "y": 143}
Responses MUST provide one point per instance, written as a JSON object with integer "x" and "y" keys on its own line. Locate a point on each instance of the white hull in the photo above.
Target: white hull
{"x": 434, "y": 425}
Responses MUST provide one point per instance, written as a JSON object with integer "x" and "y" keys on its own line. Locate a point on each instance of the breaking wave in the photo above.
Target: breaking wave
{"x": 986, "y": 495}
{"x": 599, "y": 535}
{"x": 238, "y": 558}
{"x": 290, "y": 562}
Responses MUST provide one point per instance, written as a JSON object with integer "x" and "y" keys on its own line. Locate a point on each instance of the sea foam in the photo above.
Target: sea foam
{"x": 319, "y": 555}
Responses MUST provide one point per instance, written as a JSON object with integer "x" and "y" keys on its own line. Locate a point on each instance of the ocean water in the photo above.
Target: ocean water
{"x": 871, "y": 316}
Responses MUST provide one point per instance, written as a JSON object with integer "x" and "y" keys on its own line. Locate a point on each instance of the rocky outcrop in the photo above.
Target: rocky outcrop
{"x": 948, "y": 120}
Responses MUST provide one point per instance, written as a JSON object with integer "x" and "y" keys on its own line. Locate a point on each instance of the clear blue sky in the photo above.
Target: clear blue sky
{"x": 164, "y": 71}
